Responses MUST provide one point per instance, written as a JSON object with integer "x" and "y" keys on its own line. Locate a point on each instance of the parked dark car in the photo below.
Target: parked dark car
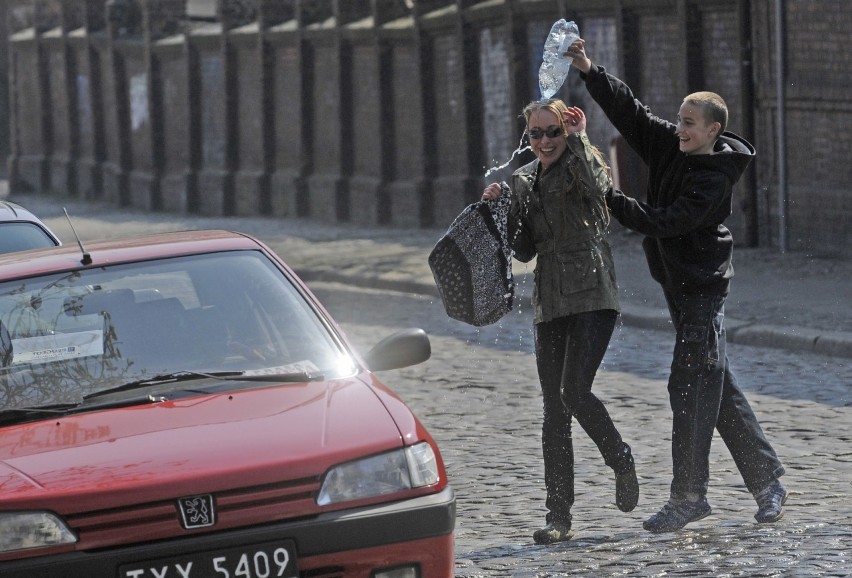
{"x": 180, "y": 405}
{"x": 21, "y": 230}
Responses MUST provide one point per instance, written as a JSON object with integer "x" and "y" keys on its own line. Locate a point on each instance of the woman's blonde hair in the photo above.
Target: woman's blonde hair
{"x": 558, "y": 107}
{"x": 554, "y": 105}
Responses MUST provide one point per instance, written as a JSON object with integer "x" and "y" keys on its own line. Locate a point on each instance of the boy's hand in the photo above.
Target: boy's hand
{"x": 575, "y": 120}
{"x": 577, "y": 51}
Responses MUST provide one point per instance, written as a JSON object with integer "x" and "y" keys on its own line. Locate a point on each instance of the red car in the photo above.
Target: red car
{"x": 181, "y": 406}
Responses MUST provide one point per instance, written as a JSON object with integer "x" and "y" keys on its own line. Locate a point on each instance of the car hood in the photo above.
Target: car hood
{"x": 192, "y": 445}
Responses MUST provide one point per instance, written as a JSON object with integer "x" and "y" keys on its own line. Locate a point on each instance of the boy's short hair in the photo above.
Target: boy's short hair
{"x": 713, "y": 106}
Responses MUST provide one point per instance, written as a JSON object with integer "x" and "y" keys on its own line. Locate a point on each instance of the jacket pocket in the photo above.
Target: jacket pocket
{"x": 577, "y": 271}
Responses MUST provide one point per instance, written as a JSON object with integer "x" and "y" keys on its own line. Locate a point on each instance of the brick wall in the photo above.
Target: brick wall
{"x": 388, "y": 113}
{"x": 818, "y": 124}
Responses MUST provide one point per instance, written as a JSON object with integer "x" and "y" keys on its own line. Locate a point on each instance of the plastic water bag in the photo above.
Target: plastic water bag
{"x": 555, "y": 65}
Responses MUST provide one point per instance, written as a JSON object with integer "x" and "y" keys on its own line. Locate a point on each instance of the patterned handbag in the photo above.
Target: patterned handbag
{"x": 472, "y": 263}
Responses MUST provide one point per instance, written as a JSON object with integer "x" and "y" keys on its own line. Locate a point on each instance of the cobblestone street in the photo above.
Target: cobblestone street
{"x": 479, "y": 396}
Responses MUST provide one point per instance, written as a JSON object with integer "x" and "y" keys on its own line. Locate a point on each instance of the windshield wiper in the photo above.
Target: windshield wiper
{"x": 291, "y": 377}
{"x": 172, "y": 377}
{"x": 178, "y": 376}
{"x": 15, "y": 414}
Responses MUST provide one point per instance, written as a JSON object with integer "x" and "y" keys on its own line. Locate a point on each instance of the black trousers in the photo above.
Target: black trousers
{"x": 704, "y": 397}
{"x": 569, "y": 351}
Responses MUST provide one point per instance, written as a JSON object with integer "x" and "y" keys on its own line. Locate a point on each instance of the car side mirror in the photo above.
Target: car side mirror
{"x": 402, "y": 349}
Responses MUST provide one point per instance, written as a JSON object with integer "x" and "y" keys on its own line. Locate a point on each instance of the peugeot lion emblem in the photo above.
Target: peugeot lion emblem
{"x": 197, "y": 511}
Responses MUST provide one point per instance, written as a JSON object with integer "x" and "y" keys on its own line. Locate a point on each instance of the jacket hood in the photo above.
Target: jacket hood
{"x": 732, "y": 155}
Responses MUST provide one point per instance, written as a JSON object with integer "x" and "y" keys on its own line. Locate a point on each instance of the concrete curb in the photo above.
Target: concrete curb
{"x": 791, "y": 338}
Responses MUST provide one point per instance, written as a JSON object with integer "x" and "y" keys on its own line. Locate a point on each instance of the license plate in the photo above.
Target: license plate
{"x": 271, "y": 560}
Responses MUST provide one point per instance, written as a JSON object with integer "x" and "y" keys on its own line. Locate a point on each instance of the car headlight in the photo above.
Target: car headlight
{"x": 394, "y": 471}
{"x": 22, "y": 530}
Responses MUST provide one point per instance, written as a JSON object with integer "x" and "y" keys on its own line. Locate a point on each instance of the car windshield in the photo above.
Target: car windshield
{"x": 20, "y": 236}
{"x": 68, "y": 336}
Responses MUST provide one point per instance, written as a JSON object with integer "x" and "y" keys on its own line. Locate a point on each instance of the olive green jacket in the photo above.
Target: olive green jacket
{"x": 560, "y": 217}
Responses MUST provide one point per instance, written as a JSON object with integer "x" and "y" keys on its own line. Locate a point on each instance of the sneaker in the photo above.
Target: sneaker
{"x": 553, "y": 532}
{"x": 676, "y": 514}
{"x": 626, "y": 490}
{"x": 770, "y": 501}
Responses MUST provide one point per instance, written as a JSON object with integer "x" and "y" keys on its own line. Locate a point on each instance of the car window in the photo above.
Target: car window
{"x": 20, "y": 236}
{"x": 66, "y": 336}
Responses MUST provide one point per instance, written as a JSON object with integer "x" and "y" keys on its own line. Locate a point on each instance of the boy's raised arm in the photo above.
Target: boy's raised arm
{"x": 630, "y": 117}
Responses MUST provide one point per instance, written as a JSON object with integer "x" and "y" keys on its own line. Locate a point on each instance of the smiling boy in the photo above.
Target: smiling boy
{"x": 692, "y": 168}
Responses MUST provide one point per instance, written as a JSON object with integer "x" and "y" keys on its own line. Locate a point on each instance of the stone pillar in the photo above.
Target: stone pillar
{"x": 31, "y": 130}
{"x": 234, "y": 15}
{"x": 501, "y": 92}
{"x": 214, "y": 90}
{"x": 252, "y": 115}
{"x": 209, "y": 98}
{"x": 369, "y": 115}
{"x": 85, "y": 55}
{"x": 173, "y": 183}
{"x": 330, "y": 128}
{"x": 62, "y": 108}
{"x": 408, "y": 119}
{"x": 124, "y": 36}
{"x": 456, "y": 125}
{"x": 159, "y": 20}
{"x": 290, "y": 139}
{"x": 5, "y": 109}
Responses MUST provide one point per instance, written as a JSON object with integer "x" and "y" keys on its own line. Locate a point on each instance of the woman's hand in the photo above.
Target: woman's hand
{"x": 492, "y": 192}
{"x": 575, "y": 120}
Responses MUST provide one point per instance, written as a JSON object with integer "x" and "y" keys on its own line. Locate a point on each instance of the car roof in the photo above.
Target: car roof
{"x": 128, "y": 249}
{"x": 11, "y": 212}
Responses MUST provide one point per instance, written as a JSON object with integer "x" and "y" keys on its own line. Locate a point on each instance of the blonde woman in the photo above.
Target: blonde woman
{"x": 559, "y": 215}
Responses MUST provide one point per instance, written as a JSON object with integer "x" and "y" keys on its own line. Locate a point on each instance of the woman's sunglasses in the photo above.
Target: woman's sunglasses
{"x": 551, "y": 132}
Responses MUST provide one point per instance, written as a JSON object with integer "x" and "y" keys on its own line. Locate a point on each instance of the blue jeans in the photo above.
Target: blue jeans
{"x": 569, "y": 351}
{"x": 704, "y": 396}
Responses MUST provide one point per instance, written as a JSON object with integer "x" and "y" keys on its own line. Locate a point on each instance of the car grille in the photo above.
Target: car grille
{"x": 234, "y": 508}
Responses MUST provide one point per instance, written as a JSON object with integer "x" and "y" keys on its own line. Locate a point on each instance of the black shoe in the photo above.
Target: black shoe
{"x": 770, "y": 501}
{"x": 626, "y": 490}
{"x": 553, "y": 532}
{"x": 676, "y": 514}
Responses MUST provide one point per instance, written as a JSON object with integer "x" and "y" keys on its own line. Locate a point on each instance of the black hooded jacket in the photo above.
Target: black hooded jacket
{"x": 688, "y": 196}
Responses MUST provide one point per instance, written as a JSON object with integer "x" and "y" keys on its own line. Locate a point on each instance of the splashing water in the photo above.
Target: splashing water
{"x": 521, "y": 148}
